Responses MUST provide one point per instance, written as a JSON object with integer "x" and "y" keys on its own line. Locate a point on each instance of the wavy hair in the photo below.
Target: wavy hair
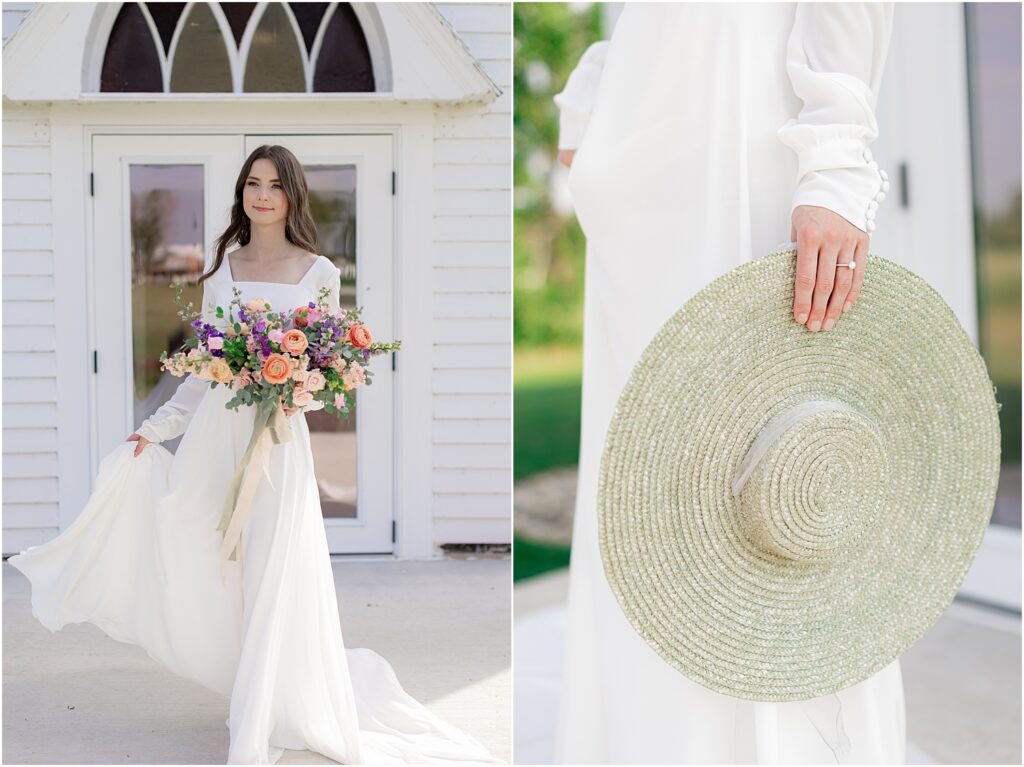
{"x": 299, "y": 227}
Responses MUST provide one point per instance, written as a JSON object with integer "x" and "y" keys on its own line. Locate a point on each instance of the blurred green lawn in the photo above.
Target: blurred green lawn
{"x": 546, "y": 428}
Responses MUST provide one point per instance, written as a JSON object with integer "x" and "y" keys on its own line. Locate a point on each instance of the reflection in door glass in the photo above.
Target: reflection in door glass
{"x": 332, "y": 200}
{"x": 166, "y": 246}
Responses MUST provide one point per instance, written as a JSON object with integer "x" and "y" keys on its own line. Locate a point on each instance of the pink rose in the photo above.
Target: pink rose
{"x": 275, "y": 335}
{"x": 315, "y": 381}
{"x": 301, "y": 397}
{"x": 300, "y": 374}
{"x": 339, "y": 400}
{"x": 215, "y": 342}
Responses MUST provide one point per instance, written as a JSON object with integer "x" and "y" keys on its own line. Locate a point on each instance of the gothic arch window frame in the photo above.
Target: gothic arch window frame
{"x": 367, "y": 16}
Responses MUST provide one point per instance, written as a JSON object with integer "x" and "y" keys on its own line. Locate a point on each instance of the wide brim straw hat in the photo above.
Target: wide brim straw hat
{"x": 782, "y": 513}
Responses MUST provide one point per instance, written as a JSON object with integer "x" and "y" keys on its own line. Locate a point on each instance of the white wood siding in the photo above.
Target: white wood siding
{"x": 30, "y": 417}
{"x": 472, "y": 441}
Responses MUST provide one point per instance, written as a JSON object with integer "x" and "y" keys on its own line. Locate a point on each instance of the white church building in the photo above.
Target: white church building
{"x": 124, "y": 126}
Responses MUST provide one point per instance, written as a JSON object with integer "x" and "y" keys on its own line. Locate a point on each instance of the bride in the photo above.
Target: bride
{"x": 142, "y": 560}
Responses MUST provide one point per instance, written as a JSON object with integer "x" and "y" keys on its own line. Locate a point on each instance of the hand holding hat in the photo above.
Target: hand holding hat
{"x": 782, "y": 513}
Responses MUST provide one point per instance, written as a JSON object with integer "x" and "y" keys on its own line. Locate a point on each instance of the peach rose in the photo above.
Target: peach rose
{"x": 220, "y": 371}
{"x": 300, "y": 374}
{"x": 294, "y": 342}
{"x": 257, "y": 305}
{"x": 359, "y": 336}
{"x": 315, "y": 381}
{"x": 276, "y": 369}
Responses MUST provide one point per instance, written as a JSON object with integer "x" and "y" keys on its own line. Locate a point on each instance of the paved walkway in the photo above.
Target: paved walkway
{"x": 962, "y": 681}
{"x": 79, "y": 697}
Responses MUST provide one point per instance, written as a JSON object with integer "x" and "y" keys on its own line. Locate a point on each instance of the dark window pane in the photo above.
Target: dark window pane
{"x": 275, "y": 61}
{"x": 131, "y": 63}
{"x": 165, "y": 16}
{"x": 309, "y": 16}
{"x": 332, "y": 201}
{"x": 238, "y": 17}
{"x": 167, "y": 246}
{"x": 994, "y": 79}
{"x": 343, "y": 64}
{"x": 201, "y": 60}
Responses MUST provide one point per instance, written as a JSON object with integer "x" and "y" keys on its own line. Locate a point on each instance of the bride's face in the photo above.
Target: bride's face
{"x": 263, "y": 195}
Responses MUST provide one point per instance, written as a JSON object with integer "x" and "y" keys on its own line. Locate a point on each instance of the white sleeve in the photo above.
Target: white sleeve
{"x": 171, "y": 418}
{"x": 333, "y": 281}
{"x": 576, "y": 100}
{"x": 835, "y": 57}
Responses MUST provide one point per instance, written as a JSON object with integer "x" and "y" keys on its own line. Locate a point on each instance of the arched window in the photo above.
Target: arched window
{"x": 272, "y": 47}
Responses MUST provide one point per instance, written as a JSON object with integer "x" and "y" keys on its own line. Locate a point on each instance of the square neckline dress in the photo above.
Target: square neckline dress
{"x": 141, "y": 561}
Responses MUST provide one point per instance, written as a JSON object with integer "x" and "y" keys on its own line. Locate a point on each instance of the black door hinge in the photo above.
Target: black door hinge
{"x": 394, "y": 183}
{"x": 95, "y": 361}
{"x": 393, "y": 530}
{"x": 91, "y": 186}
{"x": 394, "y": 362}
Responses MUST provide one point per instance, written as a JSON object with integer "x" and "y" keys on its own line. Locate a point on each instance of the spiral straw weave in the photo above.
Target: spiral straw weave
{"x": 850, "y": 536}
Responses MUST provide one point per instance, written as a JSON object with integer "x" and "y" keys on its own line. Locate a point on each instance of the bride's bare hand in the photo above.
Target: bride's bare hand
{"x": 142, "y": 443}
{"x": 823, "y": 290}
{"x": 288, "y": 410}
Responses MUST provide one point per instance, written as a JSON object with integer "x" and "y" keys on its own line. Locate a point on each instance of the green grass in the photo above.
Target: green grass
{"x": 547, "y": 402}
{"x": 547, "y": 435}
{"x": 530, "y": 558}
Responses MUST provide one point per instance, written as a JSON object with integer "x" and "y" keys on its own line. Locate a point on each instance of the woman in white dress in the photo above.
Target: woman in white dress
{"x": 142, "y": 560}
{"x": 699, "y": 137}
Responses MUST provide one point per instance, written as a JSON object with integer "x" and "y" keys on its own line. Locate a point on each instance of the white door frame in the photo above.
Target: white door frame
{"x": 222, "y": 155}
{"x": 928, "y": 129}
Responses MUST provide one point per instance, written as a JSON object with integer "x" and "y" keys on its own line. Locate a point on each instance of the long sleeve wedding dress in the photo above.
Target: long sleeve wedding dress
{"x": 142, "y": 562}
{"x": 699, "y": 127}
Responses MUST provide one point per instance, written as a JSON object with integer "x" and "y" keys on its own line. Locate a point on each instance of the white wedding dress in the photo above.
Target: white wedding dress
{"x": 141, "y": 561}
{"x": 699, "y": 127}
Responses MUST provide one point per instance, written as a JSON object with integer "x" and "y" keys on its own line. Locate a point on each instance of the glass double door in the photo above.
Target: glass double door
{"x": 160, "y": 202}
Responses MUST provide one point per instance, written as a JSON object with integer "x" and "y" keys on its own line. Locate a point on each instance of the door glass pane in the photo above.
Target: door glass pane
{"x": 994, "y": 69}
{"x": 167, "y": 246}
{"x": 332, "y": 200}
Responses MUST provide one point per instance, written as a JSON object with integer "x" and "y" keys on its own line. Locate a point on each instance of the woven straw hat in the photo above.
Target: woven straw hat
{"x": 782, "y": 513}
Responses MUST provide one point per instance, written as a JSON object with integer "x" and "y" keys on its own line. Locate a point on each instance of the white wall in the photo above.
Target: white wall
{"x": 472, "y": 474}
{"x": 29, "y": 335}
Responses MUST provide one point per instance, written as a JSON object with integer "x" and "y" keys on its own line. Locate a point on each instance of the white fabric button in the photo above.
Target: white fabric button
{"x": 871, "y": 226}
{"x": 883, "y": 174}
{"x": 885, "y": 186}
{"x": 880, "y": 196}
{"x": 873, "y": 205}
{"x": 871, "y": 215}
{"x": 873, "y": 165}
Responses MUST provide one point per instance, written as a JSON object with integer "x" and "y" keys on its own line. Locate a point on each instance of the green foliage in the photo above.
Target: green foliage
{"x": 548, "y": 283}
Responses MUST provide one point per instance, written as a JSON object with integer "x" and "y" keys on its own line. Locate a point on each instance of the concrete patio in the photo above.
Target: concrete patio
{"x": 79, "y": 697}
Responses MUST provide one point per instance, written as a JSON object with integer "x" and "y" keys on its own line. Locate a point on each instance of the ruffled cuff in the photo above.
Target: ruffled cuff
{"x": 576, "y": 100}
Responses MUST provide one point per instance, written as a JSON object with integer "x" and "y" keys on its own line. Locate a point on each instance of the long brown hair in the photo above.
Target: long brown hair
{"x": 299, "y": 227}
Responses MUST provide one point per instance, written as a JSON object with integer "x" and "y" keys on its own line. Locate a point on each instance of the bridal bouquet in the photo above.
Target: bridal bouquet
{"x": 304, "y": 354}
{"x": 271, "y": 359}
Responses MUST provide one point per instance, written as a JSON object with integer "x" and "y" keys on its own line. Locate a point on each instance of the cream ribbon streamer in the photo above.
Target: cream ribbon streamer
{"x": 271, "y": 427}
{"x": 775, "y": 429}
